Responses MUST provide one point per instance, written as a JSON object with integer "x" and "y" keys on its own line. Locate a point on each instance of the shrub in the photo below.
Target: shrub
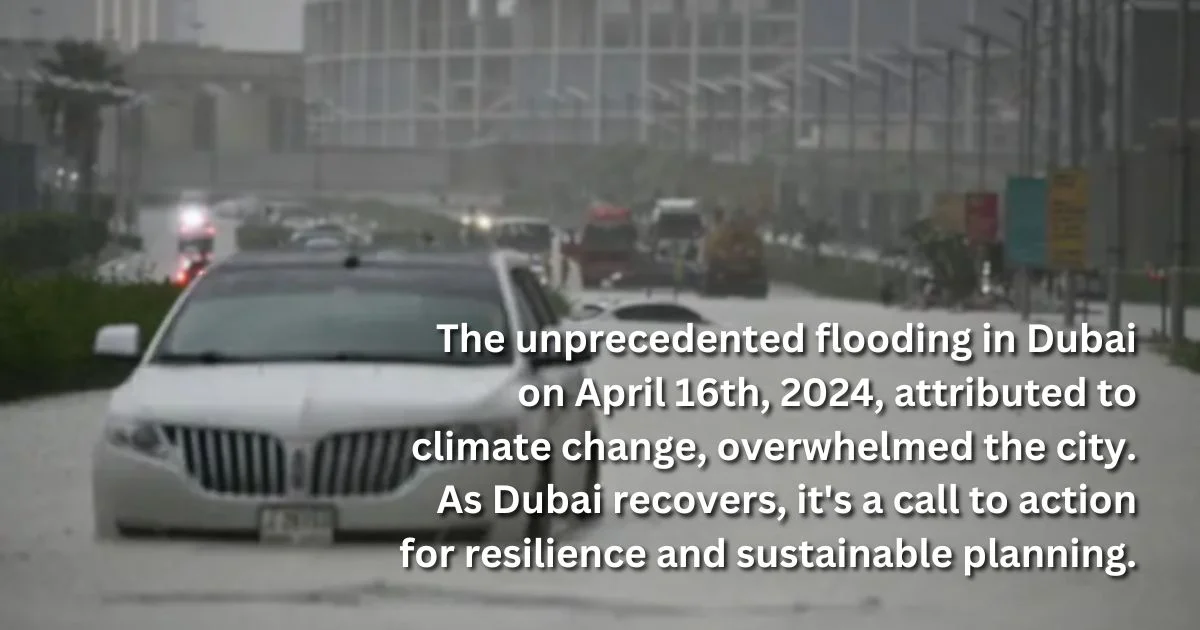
{"x": 47, "y": 326}
{"x": 1186, "y": 355}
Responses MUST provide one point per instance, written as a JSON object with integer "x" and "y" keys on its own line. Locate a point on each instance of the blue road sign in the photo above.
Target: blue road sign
{"x": 1025, "y": 221}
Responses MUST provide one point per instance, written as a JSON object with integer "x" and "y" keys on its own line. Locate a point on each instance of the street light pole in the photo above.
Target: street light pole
{"x": 1054, "y": 89}
{"x": 1183, "y": 177}
{"x": 912, "y": 75}
{"x": 1024, "y": 151}
{"x": 1116, "y": 231}
{"x": 1029, "y": 25}
{"x": 19, "y": 112}
{"x": 885, "y": 89}
{"x": 951, "y": 88}
{"x": 852, "y": 128}
{"x": 1074, "y": 139}
{"x": 631, "y": 116}
{"x": 824, "y": 80}
{"x": 981, "y": 130}
{"x": 985, "y": 63}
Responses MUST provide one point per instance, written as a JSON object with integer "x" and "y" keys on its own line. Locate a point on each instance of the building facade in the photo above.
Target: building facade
{"x": 128, "y": 23}
{"x": 711, "y": 73}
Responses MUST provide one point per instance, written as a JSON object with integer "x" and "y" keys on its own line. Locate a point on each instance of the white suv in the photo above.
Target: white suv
{"x": 284, "y": 393}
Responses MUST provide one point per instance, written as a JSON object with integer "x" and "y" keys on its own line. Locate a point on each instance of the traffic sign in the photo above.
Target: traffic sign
{"x": 982, "y": 217}
{"x": 1066, "y": 220}
{"x": 949, "y": 212}
{"x": 1025, "y": 221}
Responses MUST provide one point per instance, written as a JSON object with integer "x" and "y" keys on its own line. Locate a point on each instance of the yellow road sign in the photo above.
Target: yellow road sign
{"x": 950, "y": 212}
{"x": 1066, "y": 220}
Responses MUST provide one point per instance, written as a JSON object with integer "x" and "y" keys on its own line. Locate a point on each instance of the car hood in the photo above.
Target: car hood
{"x": 317, "y": 396}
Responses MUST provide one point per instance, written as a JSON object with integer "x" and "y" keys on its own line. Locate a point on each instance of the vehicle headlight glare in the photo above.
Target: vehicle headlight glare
{"x": 142, "y": 437}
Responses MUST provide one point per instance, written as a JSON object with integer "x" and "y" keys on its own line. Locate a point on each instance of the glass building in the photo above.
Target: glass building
{"x": 424, "y": 73}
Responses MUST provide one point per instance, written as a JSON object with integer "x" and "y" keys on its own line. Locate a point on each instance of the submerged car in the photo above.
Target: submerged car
{"x": 287, "y": 396}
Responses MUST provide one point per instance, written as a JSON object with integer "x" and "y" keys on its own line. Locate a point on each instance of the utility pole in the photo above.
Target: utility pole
{"x": 885, "y": 95}
{"x": 1116, "y": 230}
{"x": 1183, "y": 177}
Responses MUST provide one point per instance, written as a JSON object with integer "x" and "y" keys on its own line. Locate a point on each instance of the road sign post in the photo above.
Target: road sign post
{"x": 949, "y": 213}
{"x": 1025, "y": 232}
{"x": 1066, "y": 225}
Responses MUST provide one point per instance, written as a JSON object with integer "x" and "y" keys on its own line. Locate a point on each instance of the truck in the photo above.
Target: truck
{"x": 733, "y": 258}
{"x": 607, "y": 250}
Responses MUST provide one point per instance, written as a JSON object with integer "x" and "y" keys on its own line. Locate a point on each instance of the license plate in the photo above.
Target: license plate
{"x": 297, "y": 525}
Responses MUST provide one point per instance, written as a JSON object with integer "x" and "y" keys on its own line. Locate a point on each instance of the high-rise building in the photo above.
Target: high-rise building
{"x": 128, "y": 23}
{"x": 434, "y": 72}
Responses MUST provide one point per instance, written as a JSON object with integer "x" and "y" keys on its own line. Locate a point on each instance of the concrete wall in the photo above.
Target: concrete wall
{"x": 243, "y": 122}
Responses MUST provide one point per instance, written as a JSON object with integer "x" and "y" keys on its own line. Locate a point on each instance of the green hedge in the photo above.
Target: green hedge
{"x": 1187, "y": 355}
{"x": 48, "y": 324}
{"x": 829, "y": 276}
{"x": 1138, "y": 288}
{"x": 39, "y": 242}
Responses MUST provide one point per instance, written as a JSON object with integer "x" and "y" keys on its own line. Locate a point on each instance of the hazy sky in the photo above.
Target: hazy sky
{"x": 252, "y": 24}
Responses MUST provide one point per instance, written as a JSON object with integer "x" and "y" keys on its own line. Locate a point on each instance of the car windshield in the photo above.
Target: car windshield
{"x": 609, "y": 237}
{"x": 333, "y": 314}
{"x": 679, "y": 225}
{"x": 526, "y": 237}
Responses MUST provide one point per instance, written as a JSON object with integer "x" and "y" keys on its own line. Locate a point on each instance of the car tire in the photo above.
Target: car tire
{"x": 541, "y": 525}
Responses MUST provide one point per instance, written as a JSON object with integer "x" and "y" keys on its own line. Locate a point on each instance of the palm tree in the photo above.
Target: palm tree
{"x": 82, "y": 81}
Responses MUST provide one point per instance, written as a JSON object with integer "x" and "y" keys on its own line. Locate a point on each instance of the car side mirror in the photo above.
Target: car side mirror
{"x": 118, "y": 341}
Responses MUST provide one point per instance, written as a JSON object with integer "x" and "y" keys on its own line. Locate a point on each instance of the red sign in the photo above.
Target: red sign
{"x": 609, "y": 213}
{"x": 983, "y": 217}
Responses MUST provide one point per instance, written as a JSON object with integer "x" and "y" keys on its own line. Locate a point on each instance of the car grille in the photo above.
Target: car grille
{"x": 245, "y": 463}
{"x": 363, "y": 463}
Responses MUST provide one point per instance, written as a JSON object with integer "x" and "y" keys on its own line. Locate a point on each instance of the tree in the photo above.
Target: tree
{"x": 83, "y": 80}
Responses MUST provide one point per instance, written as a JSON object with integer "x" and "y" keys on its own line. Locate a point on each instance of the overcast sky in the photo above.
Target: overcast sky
{"x": 252, "y": 24}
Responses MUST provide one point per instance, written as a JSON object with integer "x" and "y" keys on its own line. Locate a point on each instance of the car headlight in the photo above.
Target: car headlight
{"x": 141, "y": 437}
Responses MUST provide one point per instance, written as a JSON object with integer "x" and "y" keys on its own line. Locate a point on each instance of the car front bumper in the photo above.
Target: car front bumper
{"x": 134, "y": 492}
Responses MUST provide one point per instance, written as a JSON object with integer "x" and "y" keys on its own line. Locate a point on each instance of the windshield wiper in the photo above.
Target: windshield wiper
{"x": 207, "y": 357}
